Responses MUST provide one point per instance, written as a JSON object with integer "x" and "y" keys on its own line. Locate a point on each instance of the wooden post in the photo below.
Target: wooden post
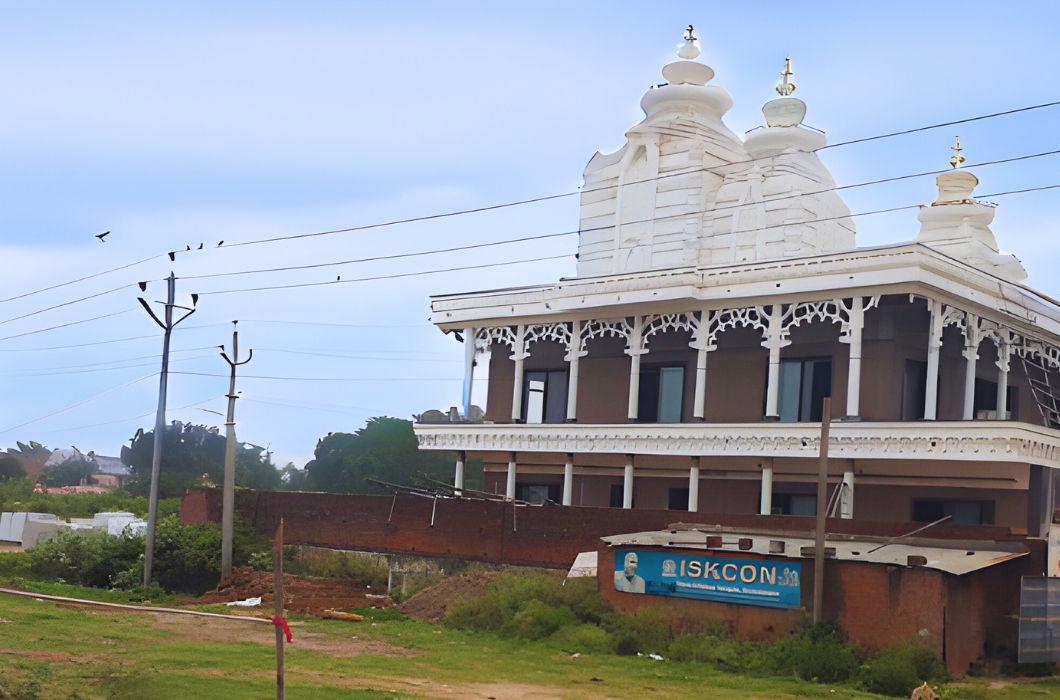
{"x": 277, "y": 586}
{"x": 822, "y": 506}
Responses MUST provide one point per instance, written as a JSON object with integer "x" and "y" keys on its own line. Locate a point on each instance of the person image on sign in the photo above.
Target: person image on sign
{"x": 627, "y": 580}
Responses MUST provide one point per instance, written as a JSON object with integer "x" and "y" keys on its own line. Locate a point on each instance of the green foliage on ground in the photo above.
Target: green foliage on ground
{"x": 119, "y": 655}
{"x": 538, "y": 606}
{"x": 190, "y": 452}
{"x": 385, "y": 449}
{"x": 370, "y": 569}
{"x": 18, "y": 495}
{"x": 187, "y": 557}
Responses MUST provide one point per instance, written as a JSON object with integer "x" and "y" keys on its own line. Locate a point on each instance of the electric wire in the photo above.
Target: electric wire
{"x": 155, "y": 356}
{"x": 126, "y": 420}
{"x": 328, "y": 379}
{"x": 939, "y": 126}
{"x": 79, "y": 403}
{"x": 29, "y": 373}
{"x": 82, "y": 279}
{"x": 65, "y": 325}
{"x": 360, "y": 356}
{"x": 65, "y": 303}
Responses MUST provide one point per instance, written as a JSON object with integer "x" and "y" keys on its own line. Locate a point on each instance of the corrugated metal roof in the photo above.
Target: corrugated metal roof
{"x": 952, "y": 556}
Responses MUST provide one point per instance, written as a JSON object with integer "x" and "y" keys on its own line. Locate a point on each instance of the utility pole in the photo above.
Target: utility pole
{"x": 822, "y": 507}
{"x": 229, "y": 497}
{"x": 160, "y": 417}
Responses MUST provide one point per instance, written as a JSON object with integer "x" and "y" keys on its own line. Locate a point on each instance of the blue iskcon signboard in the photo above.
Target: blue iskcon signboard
{"x": 723, "y": 579}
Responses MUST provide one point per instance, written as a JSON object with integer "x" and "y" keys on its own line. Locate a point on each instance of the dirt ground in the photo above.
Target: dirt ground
{"x": 302, "y": 594}
{"x": 430, "y": 604}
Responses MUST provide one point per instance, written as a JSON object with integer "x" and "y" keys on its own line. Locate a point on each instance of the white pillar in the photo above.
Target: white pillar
{"x": 509, "y": 490}
{"x": 627, "y": 483}
{"x": 568, "y": 479}
{"x": 1004, "y": 350}
{"x": 518, "y": 354}
{"x": 765, "y": 506}
{"x": 469, "y": 368}
{"x": 574, "y": 355}
{"x": 971, "y": 354}
{"x": 698, "y": 408}
{"x": 636, "y": 347}
{"x": 458, "y": 480}
{"x": 931, "y": 391}
{"x": 693, "y": 486}
{"x": 857, "y": 322}
{"x": 774, "y": 341}
{"x": 846, "y": 495}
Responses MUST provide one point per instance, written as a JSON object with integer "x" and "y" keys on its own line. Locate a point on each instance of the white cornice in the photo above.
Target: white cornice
{"x": 907, "y": 268}
{"x": 975, "y": 441}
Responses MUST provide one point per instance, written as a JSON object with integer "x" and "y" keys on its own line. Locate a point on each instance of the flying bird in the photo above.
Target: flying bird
{"x": 220, "y": 244}
{"x": 189, "y": 247}
{"x": 101, "y": 236}
{"x": 200, "y": 246}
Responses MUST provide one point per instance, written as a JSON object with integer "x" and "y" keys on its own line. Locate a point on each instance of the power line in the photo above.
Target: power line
{"x": 65, "y": 303}
{"x": 361, "y": 357}
{"x": 385, "y": 277}
{"x": 108, "y": 362}
{"x": 939, "y": 126}
{"x": 82, "y": 279}
{"x": 98, "y": 369}
{"x": 65, "y": 325}
{"x": 121, "y": 420}
{"x": 79, "y": 403}
{"x": 354, "y": 412}
{"x": 330, "y": 379}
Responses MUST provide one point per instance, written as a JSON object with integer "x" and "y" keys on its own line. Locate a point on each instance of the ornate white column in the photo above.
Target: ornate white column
{"x": 458, "y": 480}
{"x": 853, "y": 338}
{"x": 765, "y": 506}
{"x": 693, "y": 486}
{"x": 509, "y": 490}
{"x": 931, "y": 391}
{"x": 635, "y": 349}
{"x": 1004, "y": 357}
{"x": 702, "y": 343}
{"x": 774, "y": 342}
{"x": 846, "y": 494}
{"x": 568, "y": 479}
{"x": 627, "y": 483}
{"x": 518, "y": 354}
{"x": 575, "y": 351}
{"x": 971, "y": 354}
{"x": 469, "y": 368}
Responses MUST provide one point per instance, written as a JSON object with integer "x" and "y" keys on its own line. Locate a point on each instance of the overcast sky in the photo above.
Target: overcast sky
{"x": 176, "y": 124}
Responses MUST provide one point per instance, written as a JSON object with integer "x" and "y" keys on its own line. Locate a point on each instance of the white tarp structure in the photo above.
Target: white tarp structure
{"x": 30, "y": 529}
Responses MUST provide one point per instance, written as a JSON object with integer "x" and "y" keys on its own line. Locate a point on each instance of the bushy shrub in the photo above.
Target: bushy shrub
{"x": 86, "y": 559}
{"x": 902, "y": 667}
{"x": 719, "y": 649}
{"x": 511, "y": 594}
{"x": 820, "y": 653}
{"x": 370, "y": 569}
{"x": 585, "y": 638}
{"x": 646, "y": 632}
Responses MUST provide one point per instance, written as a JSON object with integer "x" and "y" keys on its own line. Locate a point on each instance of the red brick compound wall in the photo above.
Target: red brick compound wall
{"x": 876, "y": 604}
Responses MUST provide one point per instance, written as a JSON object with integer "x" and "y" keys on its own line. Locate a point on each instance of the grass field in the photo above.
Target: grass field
{"x": 53, "y": 650}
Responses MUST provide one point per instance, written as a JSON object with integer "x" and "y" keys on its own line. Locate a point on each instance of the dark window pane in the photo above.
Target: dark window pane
{"x": 616, "y": 495}
{"x": 678, "y": 499}
{"x": 914, "y": 390}
{"x": 927, "y": 511}
{"x": 788, "y": 391}
{"x": 648, "y": 400}
{"x": 985, "y": 398}
{"x": 820, "y": 386}
{"x": 556, "y": 397}
{"x": 804, "y": 504}
{"x": 534, "y": 396}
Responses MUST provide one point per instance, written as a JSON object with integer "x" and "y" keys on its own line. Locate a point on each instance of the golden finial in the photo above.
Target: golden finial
{"x": 786, "y": 87}
{"x": 957, "y": 158}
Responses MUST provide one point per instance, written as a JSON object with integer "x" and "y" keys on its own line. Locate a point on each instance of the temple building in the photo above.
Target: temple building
{"x": 720, "y": 295}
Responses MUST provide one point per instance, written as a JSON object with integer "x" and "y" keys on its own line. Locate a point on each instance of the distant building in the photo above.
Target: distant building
{"x": 719, "y": 297}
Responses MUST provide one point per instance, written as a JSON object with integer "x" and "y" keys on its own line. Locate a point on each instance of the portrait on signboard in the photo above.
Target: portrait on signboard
{"x": 627, "y": 580}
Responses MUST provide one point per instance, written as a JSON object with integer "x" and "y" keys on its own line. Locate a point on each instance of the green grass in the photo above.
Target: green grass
{"x": 88, "y": 653}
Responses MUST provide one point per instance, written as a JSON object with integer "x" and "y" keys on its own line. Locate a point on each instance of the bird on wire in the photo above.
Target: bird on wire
{"x": 101, "y": 236}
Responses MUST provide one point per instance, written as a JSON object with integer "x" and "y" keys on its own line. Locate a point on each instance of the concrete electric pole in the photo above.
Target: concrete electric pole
{"x": 160, "y": 417}
{"x": 229, "y": 495}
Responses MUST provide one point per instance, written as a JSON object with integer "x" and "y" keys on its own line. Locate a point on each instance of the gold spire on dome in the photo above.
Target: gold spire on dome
{"x": 786, "y": 88}
{"x": 957, "y": 158}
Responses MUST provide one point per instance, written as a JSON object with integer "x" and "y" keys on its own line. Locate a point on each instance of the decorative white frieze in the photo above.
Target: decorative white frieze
{"x": 992, "y": 441}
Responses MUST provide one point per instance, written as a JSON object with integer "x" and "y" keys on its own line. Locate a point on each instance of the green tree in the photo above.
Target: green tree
{"x": 69, "y": 473}
{"x": 191, "y": 453}
{"x": 292, "y": 478}
{"x": 10, "y": 468}
{"x": 385, "y": 449}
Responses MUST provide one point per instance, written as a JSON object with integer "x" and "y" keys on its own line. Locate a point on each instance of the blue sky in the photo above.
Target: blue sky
{"x": 186, "y": 123}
